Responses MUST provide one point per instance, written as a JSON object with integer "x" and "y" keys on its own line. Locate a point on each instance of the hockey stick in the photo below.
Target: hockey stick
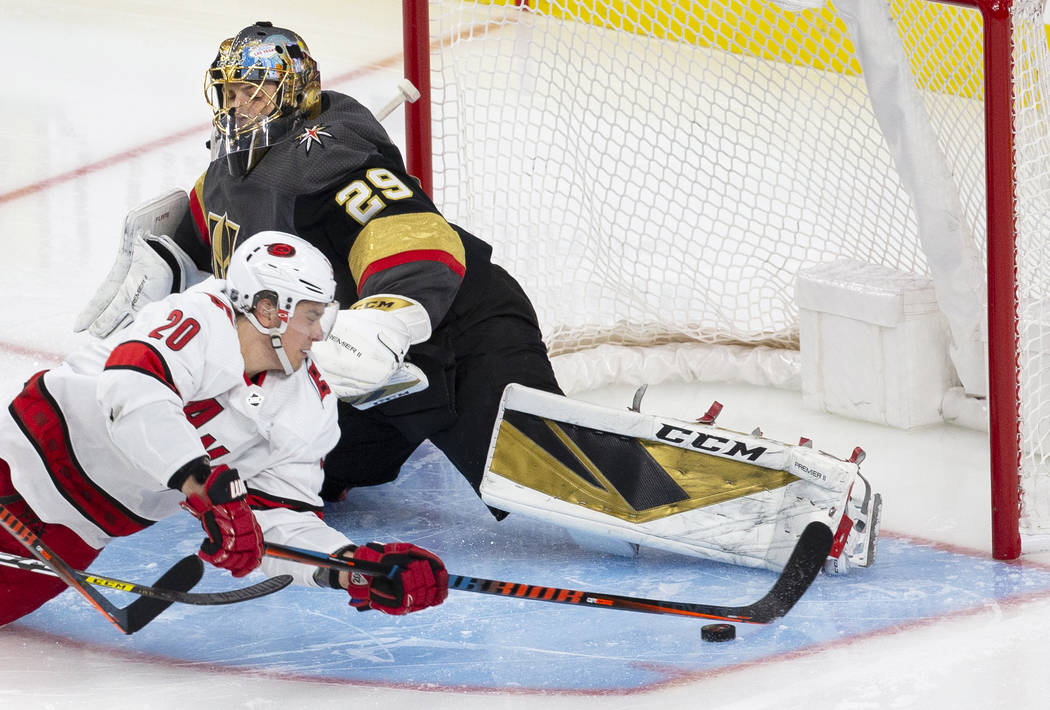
{"x": 406, "y": 91}
{"x": 191, "y": 565}
{"x": 128, "y": 619}
{"x": 799, "y": 572}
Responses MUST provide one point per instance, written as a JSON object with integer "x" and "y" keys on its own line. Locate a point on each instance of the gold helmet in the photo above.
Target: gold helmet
{"x": 262, "y": 86}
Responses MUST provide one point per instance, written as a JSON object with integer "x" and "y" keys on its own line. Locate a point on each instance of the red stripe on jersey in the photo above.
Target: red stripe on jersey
{"x": 141, "y": 357}
{"x": 44, "y": 424}
{"x": 197, "y": 210}
{"x": 407, "y": 257}
{"x": 258, "y": 500}
{"x": 225, "y": 309}
{"x": 214, "y": 452}
{"x": 322, "y": 387}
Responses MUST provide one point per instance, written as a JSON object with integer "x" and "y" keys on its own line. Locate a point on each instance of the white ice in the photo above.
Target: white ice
{"x": 103, "y": 107}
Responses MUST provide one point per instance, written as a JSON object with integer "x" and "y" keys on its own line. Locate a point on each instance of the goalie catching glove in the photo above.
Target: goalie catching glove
{"x": 148, "y": 267}
{"x": 418, "y": 579}
{"x": 368, "y": 343}
{"x": 235, "y": 541}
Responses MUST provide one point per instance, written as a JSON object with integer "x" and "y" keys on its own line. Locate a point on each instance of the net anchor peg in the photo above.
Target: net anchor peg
{"x": 711, "y": 414}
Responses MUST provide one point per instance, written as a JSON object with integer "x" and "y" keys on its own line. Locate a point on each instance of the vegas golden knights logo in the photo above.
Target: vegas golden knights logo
{"x": 223, "y": 238}
{"x": 632, "y": 479}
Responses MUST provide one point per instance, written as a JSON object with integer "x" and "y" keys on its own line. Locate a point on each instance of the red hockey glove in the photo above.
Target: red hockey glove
{"x": 419, "y": 579}
{"x": 235, "y": 541}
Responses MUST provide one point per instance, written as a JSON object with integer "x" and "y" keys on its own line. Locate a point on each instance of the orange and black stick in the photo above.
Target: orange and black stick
{"x": 802, "y": 567}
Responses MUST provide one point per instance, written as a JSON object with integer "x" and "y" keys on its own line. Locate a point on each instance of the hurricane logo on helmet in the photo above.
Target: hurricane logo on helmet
{"x": 280, "y": 249}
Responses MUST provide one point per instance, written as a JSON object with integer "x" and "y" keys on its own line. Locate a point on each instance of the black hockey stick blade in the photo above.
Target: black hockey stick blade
{"x": 181, "y": 577}
{"x": 801, "y": 569}
{"x": 798, "y": 574}
{"x": 154, "y": 600}
{"x": 173, "y": 587}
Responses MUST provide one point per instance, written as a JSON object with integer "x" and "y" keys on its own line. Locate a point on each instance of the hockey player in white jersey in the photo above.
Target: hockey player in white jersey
{"x": 207, "y": 402}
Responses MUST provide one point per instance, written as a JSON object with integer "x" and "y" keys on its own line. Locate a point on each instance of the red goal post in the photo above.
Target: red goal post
{"x": 797, "y": 144}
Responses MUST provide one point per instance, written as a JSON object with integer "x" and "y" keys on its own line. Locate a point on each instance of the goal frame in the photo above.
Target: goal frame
{"x": 1002, "y": 299}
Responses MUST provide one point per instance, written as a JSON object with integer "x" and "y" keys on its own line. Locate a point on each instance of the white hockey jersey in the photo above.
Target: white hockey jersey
{"x": 93, "y": 443}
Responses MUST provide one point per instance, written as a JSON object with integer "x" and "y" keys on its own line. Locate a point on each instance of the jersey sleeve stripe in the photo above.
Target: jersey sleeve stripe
{"x": 410, "y": 257}
{"x": 143, "y": 358}
{"x": 406, "y": 237}
{"x": 44, "y": 425}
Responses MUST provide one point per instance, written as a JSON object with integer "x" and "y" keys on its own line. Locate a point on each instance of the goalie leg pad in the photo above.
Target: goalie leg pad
{"x": 655, "y": 481}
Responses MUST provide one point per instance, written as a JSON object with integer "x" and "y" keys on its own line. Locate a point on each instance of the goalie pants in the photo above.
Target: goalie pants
{"x": 22, "y": 592}
{"x": 468, "y": 362}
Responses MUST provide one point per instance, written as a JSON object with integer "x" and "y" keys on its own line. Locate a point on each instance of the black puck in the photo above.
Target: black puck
{"x": 718, "y": 632}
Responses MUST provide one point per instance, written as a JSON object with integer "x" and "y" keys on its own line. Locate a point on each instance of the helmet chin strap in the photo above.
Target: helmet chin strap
{"x": 275, "y": 341}
{"x": 278, "y": 347}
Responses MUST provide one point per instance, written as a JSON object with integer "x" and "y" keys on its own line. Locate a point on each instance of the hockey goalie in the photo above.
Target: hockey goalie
{"x": 687, "y": 487}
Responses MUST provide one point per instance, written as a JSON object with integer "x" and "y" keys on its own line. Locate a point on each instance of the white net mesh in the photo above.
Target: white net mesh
{"x": 648, "y": 186}
{"x": 660, "y": 171}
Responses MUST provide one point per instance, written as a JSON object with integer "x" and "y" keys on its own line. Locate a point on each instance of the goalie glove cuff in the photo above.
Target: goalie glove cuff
{"x": 408, "y": 311}
{"x": 184, "y": 273}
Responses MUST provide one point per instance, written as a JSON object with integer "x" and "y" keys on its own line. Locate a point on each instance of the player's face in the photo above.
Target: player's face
{"x": 249, "y": 101}
{"x": 305, "y": 327}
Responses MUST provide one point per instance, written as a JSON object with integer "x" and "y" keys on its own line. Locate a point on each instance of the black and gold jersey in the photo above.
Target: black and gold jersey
{"x": 342, "y": 185}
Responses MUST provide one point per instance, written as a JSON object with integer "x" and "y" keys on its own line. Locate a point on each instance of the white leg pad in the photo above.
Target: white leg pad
{"x": 686, "y": 487}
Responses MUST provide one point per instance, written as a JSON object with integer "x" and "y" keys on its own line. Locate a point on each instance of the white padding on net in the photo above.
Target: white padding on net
{"x": 699, "y": 362}
{"x": 964, "y": 410}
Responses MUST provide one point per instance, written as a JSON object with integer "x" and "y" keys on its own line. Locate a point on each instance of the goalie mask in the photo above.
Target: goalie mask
{"x": 262, "y": 87}
{"x": 286, "y": 270}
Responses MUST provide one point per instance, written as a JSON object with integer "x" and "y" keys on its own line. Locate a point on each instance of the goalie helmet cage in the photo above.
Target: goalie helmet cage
{"x": 656, "y": 172}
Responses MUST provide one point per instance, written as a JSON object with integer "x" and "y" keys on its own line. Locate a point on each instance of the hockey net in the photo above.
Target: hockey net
{"x": 657, "y": 173}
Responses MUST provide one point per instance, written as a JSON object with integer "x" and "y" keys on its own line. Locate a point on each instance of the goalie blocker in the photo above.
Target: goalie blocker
{"x": 687, "y": 487}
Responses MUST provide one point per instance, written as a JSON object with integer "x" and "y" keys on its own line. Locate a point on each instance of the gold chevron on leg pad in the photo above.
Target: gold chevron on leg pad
{"x": 633, "y": 479}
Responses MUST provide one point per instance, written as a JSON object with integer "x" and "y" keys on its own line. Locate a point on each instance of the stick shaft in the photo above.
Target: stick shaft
{"x": 21, "y": 532}
{"x": 801, "y": 568}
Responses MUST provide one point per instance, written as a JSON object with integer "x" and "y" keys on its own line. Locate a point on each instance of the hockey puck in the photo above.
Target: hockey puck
{"x": 718, "y": 632}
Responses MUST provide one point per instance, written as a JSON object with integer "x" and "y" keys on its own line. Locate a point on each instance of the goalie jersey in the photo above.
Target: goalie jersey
{"x": 92, "y": 443}
{"x": 341, "y": 184}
